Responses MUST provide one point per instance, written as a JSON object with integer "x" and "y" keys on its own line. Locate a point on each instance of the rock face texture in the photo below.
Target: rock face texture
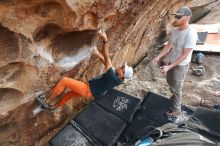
{"x": 43, "y": 40}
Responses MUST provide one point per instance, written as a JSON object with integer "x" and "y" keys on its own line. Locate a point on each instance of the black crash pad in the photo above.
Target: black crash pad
{"x": 72, "y": 135}
{"x": 138, "y": 125}
{"x": 205, "y": 122}
{"x": 151, "y": 113}
{"x": 154, "y": 107}
{"x": 120, "y": 104}
{"x": 104, "y": 126}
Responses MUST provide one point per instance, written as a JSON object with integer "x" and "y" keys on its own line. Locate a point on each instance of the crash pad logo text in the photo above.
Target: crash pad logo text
{"x": 120, "y": 103}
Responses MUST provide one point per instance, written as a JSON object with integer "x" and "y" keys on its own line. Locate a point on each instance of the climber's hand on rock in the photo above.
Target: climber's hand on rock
{"x": 103, "y": 35}
{"x": 95, "y": 51}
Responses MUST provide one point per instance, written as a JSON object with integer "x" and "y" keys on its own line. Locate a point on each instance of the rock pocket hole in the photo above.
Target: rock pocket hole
{"x": 71, "y": 47}
{"x": 19, "y": 76}
{"x": 9, "y": 99}
{"x": 9, "y": 45}
{"x": 9, "y": 73}
{"x": 49, "y": 31}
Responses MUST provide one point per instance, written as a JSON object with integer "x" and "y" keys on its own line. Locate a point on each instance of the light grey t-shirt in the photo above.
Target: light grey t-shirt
{"x": 180, "y": 40}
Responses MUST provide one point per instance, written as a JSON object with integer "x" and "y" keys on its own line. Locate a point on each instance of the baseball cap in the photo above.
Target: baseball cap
{"x": 183, "y": 11}
{"x": 128, "y": 72}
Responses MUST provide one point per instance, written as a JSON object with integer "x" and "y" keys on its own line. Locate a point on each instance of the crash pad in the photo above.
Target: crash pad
{"x": 73, "y": 135}
{"x": 120, "y": 104}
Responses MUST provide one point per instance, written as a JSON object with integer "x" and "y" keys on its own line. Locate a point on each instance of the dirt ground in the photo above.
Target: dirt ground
{"x": 197, "y": 90}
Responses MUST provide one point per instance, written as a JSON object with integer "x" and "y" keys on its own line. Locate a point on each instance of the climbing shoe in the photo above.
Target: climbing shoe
{"x": 41, "y": 101}
{"x": 52, "y": 110}
{"x": 199, "y": 70}
{"x": 216, "y": 107}
{"x": 42, "y": 97}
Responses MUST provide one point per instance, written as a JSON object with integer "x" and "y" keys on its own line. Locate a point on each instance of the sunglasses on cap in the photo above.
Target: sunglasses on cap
{"x": 178, "y": 16}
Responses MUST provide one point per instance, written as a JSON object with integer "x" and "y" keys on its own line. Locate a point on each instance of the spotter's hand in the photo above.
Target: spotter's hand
{"x": 164, "y": 69}
{"x": 156, "y": 60}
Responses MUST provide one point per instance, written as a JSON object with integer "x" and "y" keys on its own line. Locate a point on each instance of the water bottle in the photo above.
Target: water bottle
{"x": 145, "y": 142}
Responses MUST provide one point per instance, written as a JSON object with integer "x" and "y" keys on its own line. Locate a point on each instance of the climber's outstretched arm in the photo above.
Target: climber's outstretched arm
{"x": 105, "y": 50}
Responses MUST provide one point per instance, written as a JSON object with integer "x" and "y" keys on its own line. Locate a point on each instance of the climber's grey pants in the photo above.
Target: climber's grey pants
{"x": 175, "y": 78}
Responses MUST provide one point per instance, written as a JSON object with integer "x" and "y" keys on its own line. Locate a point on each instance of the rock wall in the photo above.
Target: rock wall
{"x": 43, "y": 40}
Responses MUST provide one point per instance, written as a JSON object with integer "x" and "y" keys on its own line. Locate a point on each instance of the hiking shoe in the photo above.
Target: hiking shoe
{"x": 199, "y": 70}
{"x": 173, "y": 119}
{"x": 200, "y": 57}
{"x": 216, "y": 107}
{"x": 172, "y": 113}
{"x": 182, "y": 117}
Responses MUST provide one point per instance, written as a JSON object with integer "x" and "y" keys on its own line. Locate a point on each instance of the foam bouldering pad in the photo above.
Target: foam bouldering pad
{"x": 72, "y": 135}
{"x": 137, "y": 126}
{"x": 120, "y": 104}
{"x": 154, "y": 107}
{"x": 151, "y": 113}
{"x": 205, "y": 122}
{"x": 104, "y": 126}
